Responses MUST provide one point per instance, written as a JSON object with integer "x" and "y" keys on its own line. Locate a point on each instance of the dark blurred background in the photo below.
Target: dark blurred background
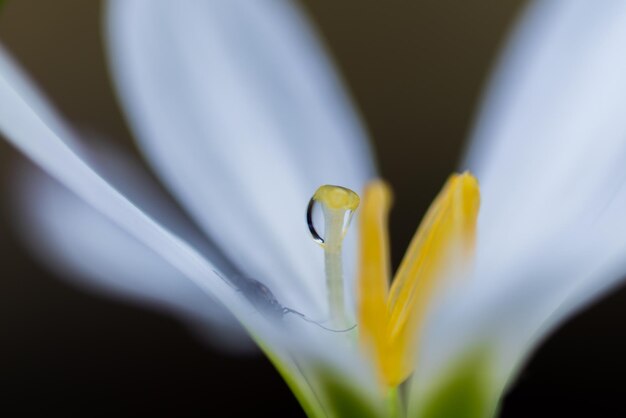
{"x": 416, "y": 69}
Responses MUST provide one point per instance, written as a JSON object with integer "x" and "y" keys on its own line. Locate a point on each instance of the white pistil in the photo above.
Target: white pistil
{"x": 338, "y": 205}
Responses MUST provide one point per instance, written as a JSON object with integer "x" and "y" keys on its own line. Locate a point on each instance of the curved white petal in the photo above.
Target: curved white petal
{"x": 240, "y": 114}
{"x": 299, "y": 347}
{"x": 87, "y": 248}
{"x": 22, "y": 125}
{"x": 120, "y": 264}
{"x": 549, "y": 144}
{"x": 549, "y": 150}
{"x": 553, "y": 177}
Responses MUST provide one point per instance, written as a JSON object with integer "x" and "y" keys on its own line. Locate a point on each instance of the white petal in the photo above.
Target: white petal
{"x": 87, "y": 248}
{"x": 549, "y": 151}
{"x": 22, "y": 126}
{"x": 117, "y": 264}
{"x": 301, "y": 347}
{"x": 240, "y": 114}
{"x": 550, "y": 145}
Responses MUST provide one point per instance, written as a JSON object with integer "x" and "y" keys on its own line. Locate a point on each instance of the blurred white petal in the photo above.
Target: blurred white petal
{"x": 22, "y": 125}
{"x": 18, "y": 81}
{"x": 299, "y": 348}
{"x": 238, "y": 110}
{"x": 549, "y": 151}
{"x": 62, "y": 241}
{"x": 551, "y": 138}
{"x": 85, "y": 247}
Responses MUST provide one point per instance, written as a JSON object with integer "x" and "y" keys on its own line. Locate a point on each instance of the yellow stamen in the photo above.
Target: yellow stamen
{"x": 374, "y": 269}
{"x": 390, "y": 320}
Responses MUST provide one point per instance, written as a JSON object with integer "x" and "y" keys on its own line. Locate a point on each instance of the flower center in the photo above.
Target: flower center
{"x": 391, "y": 314}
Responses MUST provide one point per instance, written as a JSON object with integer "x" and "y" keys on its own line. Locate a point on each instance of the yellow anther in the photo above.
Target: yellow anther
{"x": 374, "y": 269}
{"x": 390, "y": 319}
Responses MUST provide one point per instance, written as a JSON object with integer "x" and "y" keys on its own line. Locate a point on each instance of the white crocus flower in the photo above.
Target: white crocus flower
{"x": 239, "y": 114}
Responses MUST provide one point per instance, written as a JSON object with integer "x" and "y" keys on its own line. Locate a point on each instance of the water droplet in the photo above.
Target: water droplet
{"x": 309, "y": 221}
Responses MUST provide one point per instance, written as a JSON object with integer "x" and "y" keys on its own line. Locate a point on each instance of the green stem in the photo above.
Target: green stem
{"x": 394, "y": 403}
